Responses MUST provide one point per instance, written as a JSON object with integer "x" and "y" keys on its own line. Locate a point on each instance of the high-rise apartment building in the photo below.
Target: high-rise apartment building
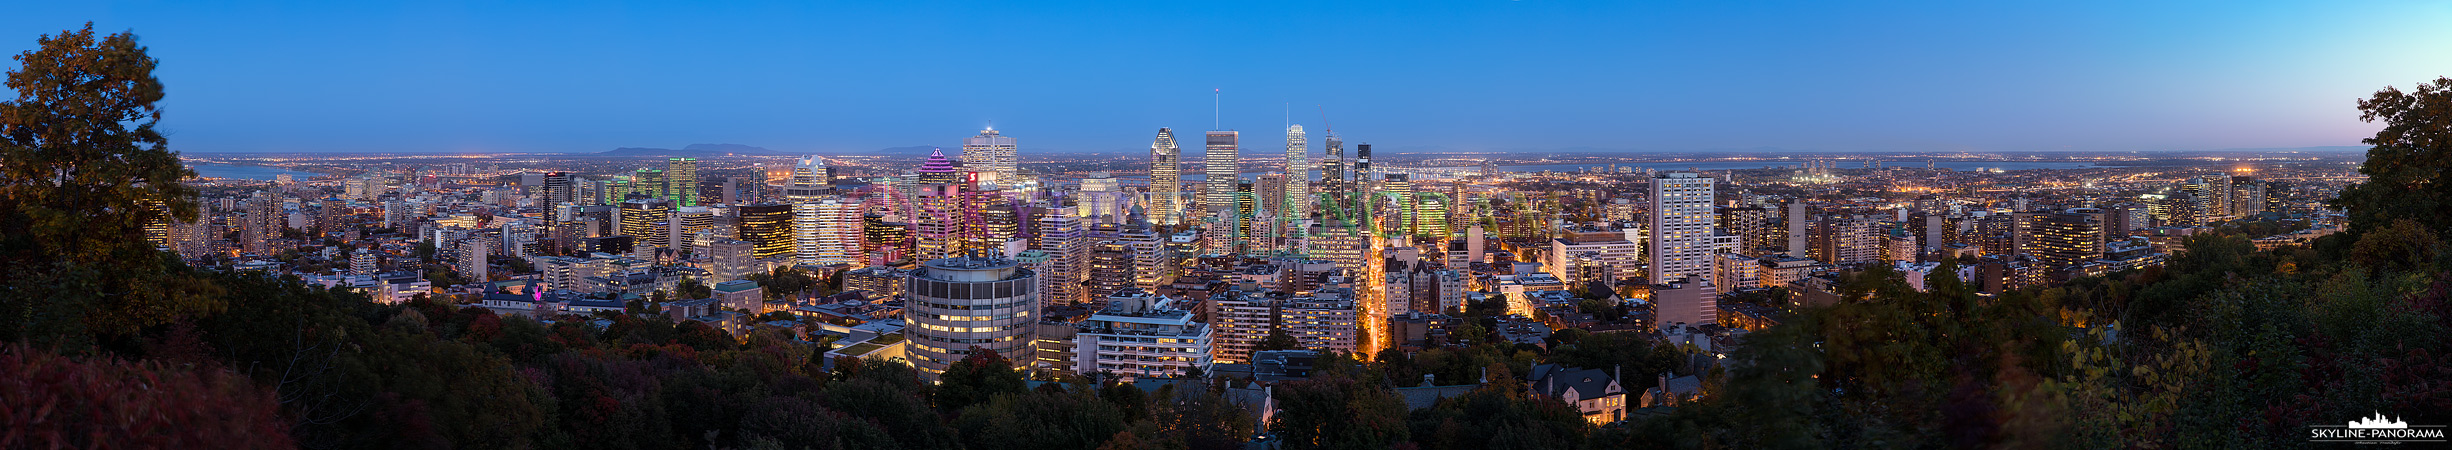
{"x": 962, "y": 304}
{"x": 1140, "y": 334}
{"x": 1165, "y": 180}
{"x": 992, "y": 153}
{"x": 1067, "y": 244}
{"x": 2057, "y": 240}
{"x": 1681, "y": 235}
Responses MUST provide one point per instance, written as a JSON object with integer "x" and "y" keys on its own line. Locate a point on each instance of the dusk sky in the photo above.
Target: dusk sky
{"x": 1531, "y": 75}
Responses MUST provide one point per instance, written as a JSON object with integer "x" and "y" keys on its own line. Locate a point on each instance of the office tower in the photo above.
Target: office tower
{"x": 988, "y": 220}
{"x": 681, "y": 181}
{"x": 1111, "y": 268}
{"x": 1332, "y": 164}
{"x": 645, "y": 220}
{"x": 963, "y": 303}
{"x": 1298, "y": 176}
{"x": 804, "y": 192}
{"x": 884, "y": 241}
{"x": 767, "y": 226}
{"x": 648, "y": 183}
{"x": 1362, "y": 168}
{"x": 1681, "y": 244}
{"x": 936, "y": 230}
{"x": 688, "y": 222}
{"x": 1067, "y": 244}
{"x": 560, "y": 188}
{"x": 1102, "y": 199}
{"x": 937, "y": 169}
{"x": 2057, "y": 240}
{"x": 1165, "y": 182}
{"x": 1223, "y": 163}
{"x": 715, "y": 191}
{"x": 992, "y": 153}
{"x": 1144, "y": 335}
{"x": 837, "y": 231}
{"x": 1475, "y": 242}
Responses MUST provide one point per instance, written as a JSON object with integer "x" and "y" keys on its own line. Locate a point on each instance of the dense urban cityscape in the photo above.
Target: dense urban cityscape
{"x": 1286, "y": 288}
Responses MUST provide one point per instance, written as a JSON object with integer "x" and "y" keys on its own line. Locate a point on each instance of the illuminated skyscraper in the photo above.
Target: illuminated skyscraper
{"x": 768, "y": 226}
{"x": 1332, "y": 164}
{"x": 1681, "y": 244}
{"x": 681, "y": 181}
{"x": 838, "y": 231}
{"x": 1165, "y": 181}
{"x": 805, "y": 191}
{"x": 2058, "y": 240}
{"x": 990, "y": 152}
{"x": 962, "y": 303}
{"x": 938, "y": 169}
{"x": 1298, "y": 176}
{"x": 647, "y": 220}
{"x": 1219, "y": 191}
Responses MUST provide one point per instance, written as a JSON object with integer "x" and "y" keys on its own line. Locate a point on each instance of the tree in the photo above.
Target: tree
{"x": 977, "y": 378}
{"x": 82, "y": 171}
{"x": 1278, "y": 340}
{"x": 57, "y": 402}
{"x": 690, "y": 288}
{"x": 2409, "y": 169}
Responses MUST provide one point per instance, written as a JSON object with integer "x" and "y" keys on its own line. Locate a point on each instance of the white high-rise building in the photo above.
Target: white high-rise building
{"x": 957, "y": 305}
{"x": 1298, "y": 176}
{"x": 1165, "y": 179}
{"x": 1681, "y": 234}
{"x": 992, "y": 153}
{"x": 838, "y": 231}
{"x": 1221, "y": 170}
{"x": 805, "y": 190}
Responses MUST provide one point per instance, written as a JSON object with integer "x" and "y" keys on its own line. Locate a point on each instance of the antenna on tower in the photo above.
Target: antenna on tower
{"x": 1217, "y": 116}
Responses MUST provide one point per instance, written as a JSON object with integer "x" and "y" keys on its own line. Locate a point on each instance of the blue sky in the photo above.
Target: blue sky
{"x": 1531, "y": 75}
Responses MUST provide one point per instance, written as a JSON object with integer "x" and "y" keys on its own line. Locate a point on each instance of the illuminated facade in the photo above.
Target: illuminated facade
{"x": 768, "y": 226}
{"x": 992, "y": 153}
{"x": 1298, "y": 176}
{"x": 1165, "y": 179}
{"x": 1219, "y": 190}
{"x": 805, "y": 191}
{"x": 1681, "y": 243}
{"x": 955, "y": 305}
{"x": 681, "y": 181}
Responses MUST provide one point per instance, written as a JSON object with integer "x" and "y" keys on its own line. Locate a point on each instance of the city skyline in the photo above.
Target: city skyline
{"x": 1463, "y": 76}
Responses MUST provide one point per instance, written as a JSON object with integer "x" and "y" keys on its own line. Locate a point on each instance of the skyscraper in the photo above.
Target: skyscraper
{"x": 1221, "y": 169}
{"x": 804, "y": 193}
{"x": 1165, "y": 181}
{"x": 769, "y": 227}
{"x": 938, "y": 169}
{"x": 838, "y": 231}
{"x": 1362, "y": 168}
{"x": 1681, "y": 247}
{"x": 681, "y": 181}
{"x": 1298, "y": 175}
{"x": 1332, "y": 164}
{"x": 993, "y": 153}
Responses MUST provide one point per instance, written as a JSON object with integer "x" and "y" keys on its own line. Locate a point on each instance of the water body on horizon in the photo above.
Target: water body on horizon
{"x": 233, "y": 171}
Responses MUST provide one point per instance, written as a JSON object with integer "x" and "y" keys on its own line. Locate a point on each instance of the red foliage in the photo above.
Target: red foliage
{"x": 51, "y": 401}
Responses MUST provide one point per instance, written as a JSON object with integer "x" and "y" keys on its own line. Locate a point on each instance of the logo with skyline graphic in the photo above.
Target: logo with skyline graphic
{"x": 2377, "y": 429}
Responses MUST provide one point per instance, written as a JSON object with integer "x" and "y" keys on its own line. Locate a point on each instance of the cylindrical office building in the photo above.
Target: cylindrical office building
{"x": 956, "y": 304}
